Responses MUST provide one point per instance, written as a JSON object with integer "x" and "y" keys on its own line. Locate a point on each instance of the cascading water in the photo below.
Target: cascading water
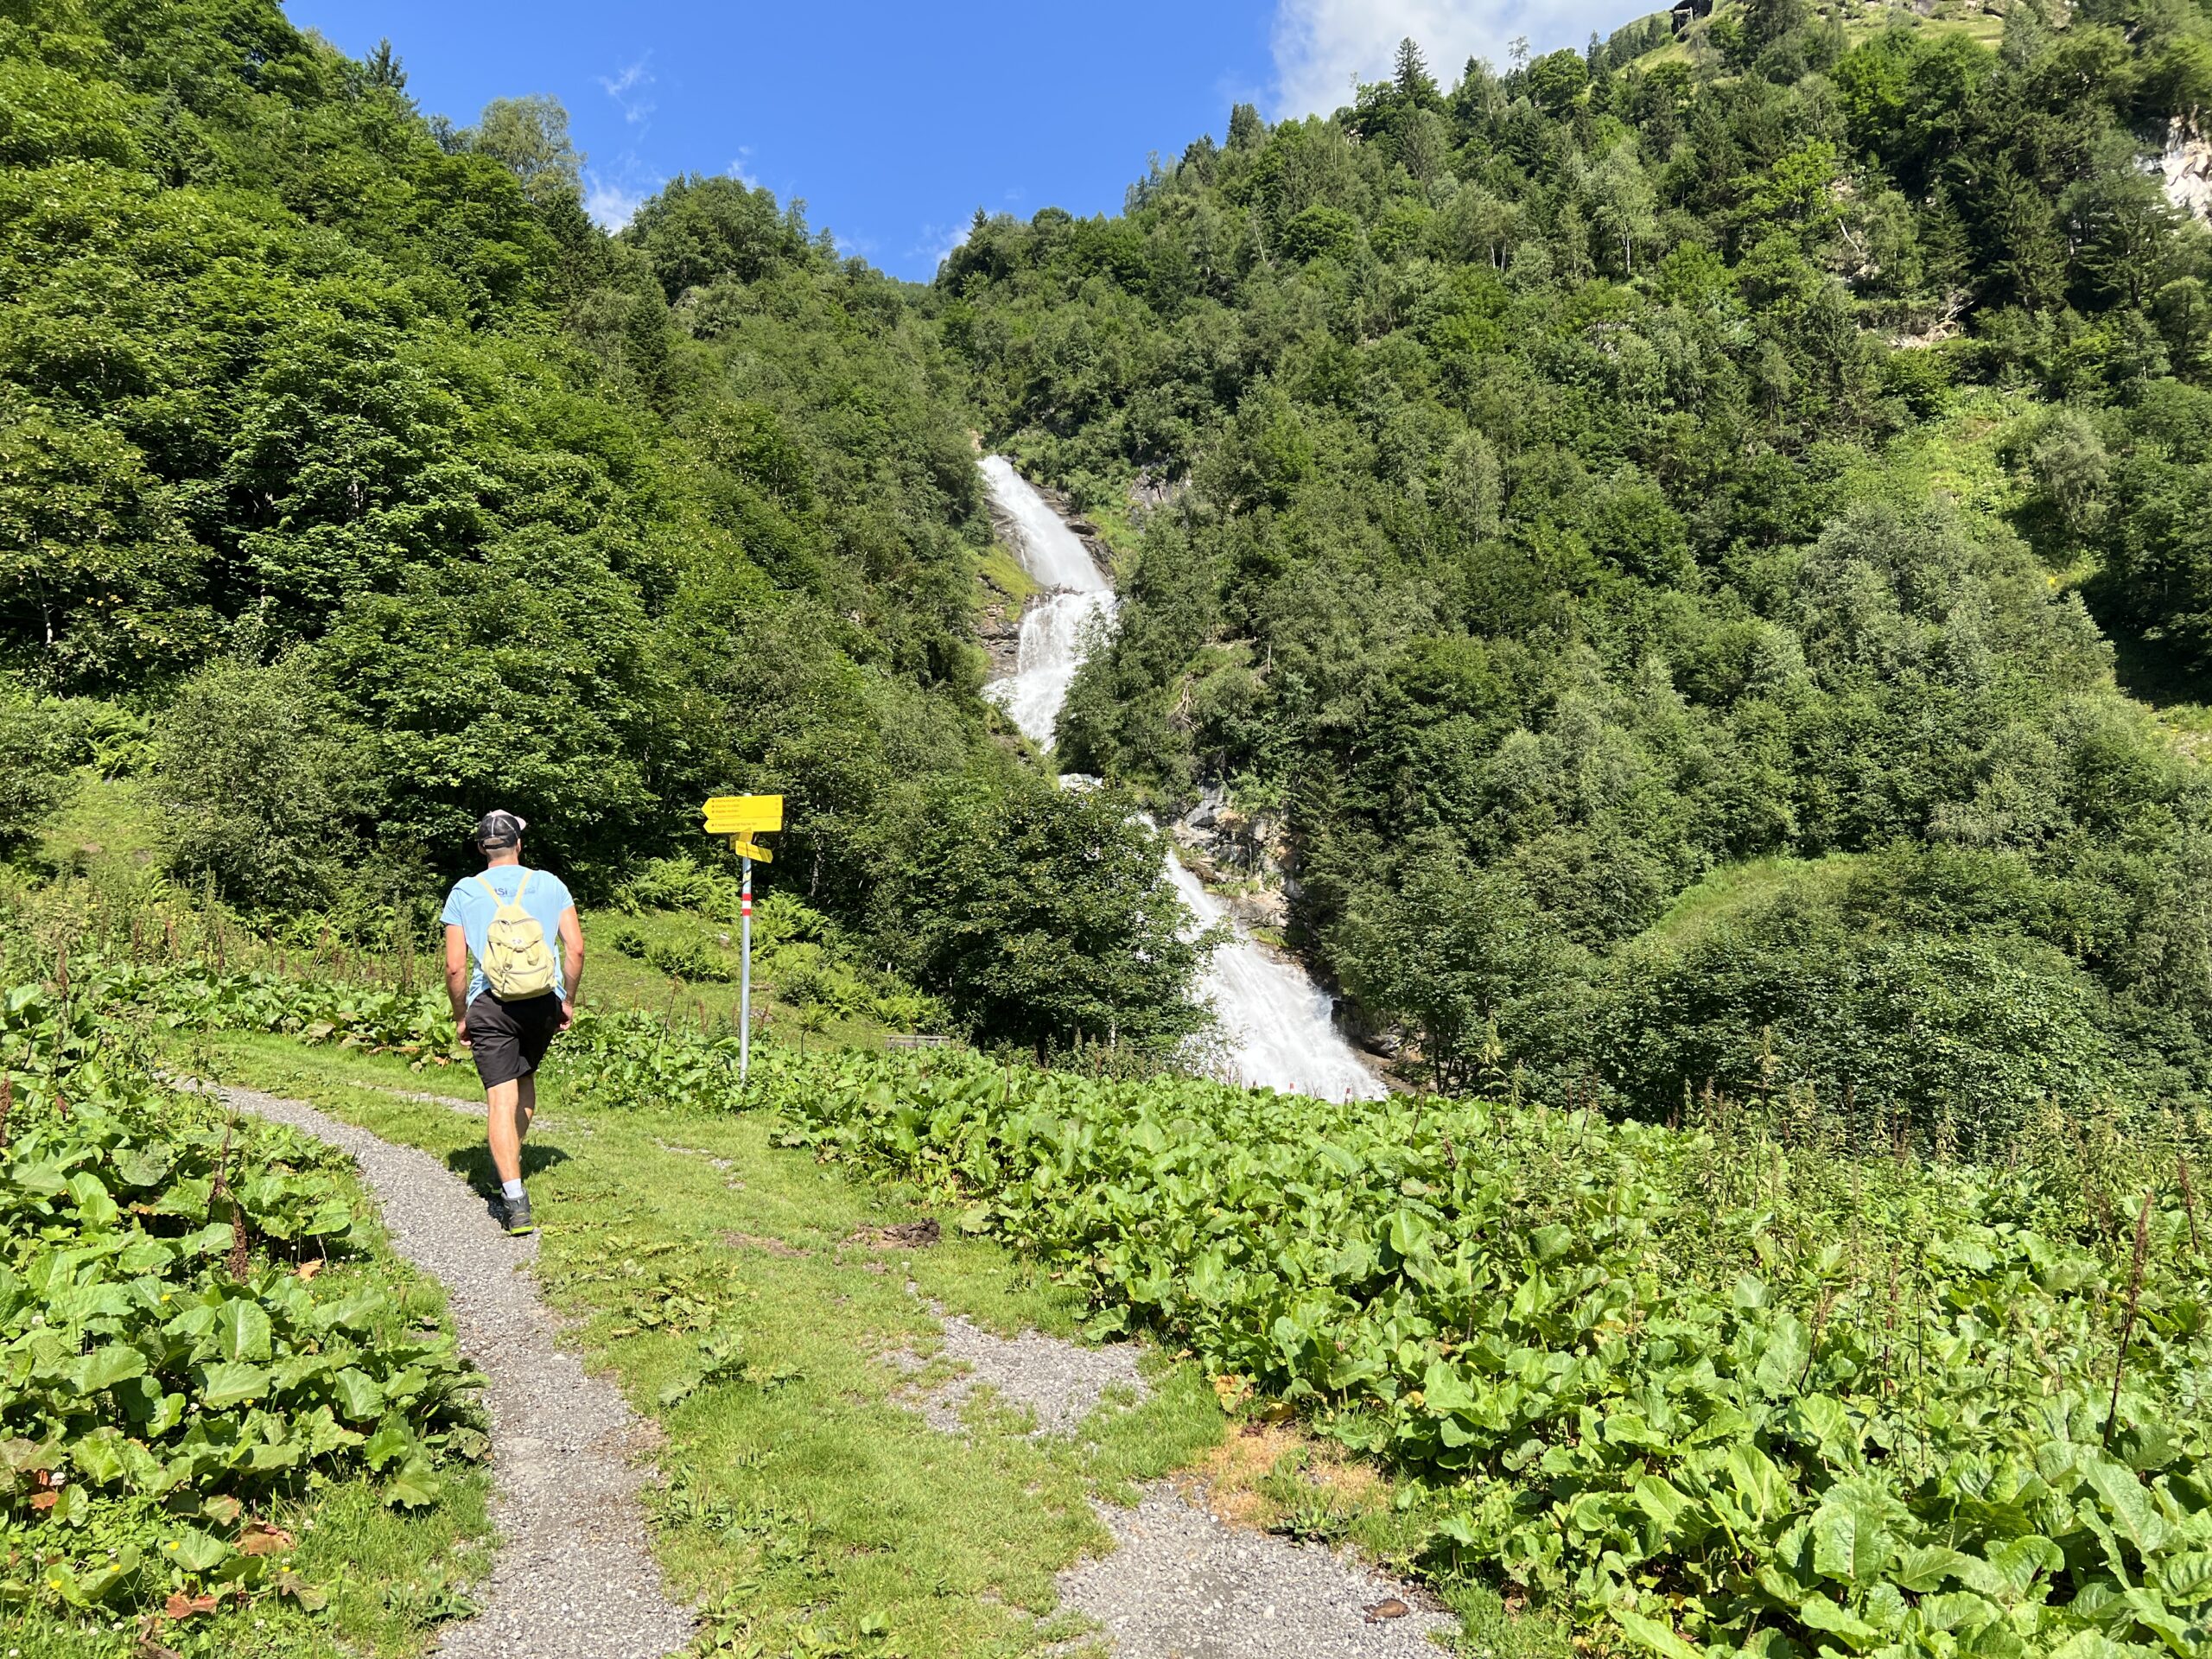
{"x": 1057, "y": 629}
{"x": 1276, "y": 1021}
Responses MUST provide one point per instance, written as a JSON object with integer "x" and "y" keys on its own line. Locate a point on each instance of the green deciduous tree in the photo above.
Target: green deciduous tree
{"x": 530, "y": 137}
{"x": 1042, "y": 916}
{"x": 1452, "y": 952}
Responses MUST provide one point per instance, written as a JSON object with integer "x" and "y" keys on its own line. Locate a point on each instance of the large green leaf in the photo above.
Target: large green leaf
{"x": 1818, "y": 1613}
{"x": 1408, "y": 1230}
{"x": 95, "y": 1207}
{"x": 1851, "y": 1537}
{"x": 1826, "y": 1422}
{"x": 1922, "y": 1568}
{"x": 415, "y": 1486}
{"x": 1649, "y": 1633}
{"x": 1960, "y": 1610}
{"x": 242, "y": 1328}
{"x": 107, "y": 1366}
{"x": 1656, "y": 1497}
{"x": 196, "y": 1551}
{"x": 390, "y": 1442}
{"x": 1756, "y": 1482}
{"x": 1784, "y": 1356}
{"x": 2127, "y": 1507}
{"x": 360, "y": 1399}
{"x": 230, "y": 1382}
{"x": 1552, "y": 1242}
{"x": 2010, "y": 1567}
{"x": 143, "y": 1167}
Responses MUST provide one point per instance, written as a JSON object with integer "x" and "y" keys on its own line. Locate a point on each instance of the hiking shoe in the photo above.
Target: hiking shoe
{"x": 517, "y": 1215}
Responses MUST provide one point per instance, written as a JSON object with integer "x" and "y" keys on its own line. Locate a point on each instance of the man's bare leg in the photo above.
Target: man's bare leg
{"x": 507, "y": 1120}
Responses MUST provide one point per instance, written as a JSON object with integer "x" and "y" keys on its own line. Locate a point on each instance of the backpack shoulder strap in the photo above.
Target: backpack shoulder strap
{"x": 498, "y": 903}
{"x": 522, "y": 886}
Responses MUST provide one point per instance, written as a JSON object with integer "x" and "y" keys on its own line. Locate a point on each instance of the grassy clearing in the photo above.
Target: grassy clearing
{"x": 1004, "y": 582}
{"x": 104, "y": 821}
{"x": 1955, "y": 459}
{"x": 805, "y": 1506}
{"x": 1730, "y": 891}
{"x": 1862, "y": 21}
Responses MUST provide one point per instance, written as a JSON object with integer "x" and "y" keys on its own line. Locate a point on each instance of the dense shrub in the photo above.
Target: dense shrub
{"x": 176, "y": 1366}
{"x": 1738, "y": 1387}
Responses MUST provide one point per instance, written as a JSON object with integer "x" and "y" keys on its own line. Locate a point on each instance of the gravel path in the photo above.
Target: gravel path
{"x": 1180, "y": 1584}
{"x": 1057, "y": 1382}
{"x": 572, "y": 1579}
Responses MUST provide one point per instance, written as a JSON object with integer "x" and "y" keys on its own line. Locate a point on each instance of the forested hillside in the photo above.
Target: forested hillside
{"x": 1656, "y": 528}
{"x": 1656, "y": 523}
{"x": 1688, "y": 556}
{"x": 352, "y": 482}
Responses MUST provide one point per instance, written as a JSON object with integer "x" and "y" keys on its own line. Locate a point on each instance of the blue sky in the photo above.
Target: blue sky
{"x": 895, "y": 121}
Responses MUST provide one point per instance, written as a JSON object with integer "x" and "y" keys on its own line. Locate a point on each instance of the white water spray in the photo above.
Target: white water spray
{"x": 1276, "y": 1020}
{"x": 1279, "y": 1023}
{"x": 1057, "y": 631}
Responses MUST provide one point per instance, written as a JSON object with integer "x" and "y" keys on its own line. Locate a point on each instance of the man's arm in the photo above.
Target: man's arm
{"x": 457, "y": 977}
{"x": 572, "y": 964}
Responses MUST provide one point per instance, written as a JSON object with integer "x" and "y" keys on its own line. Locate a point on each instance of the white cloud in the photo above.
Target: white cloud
{"x": 631, "y": 89}
{"x": 938, "y": 242}
{"x": 1321, "y": 45}
{"x": 741, "y": 168}
{"x": 610, "y": 205}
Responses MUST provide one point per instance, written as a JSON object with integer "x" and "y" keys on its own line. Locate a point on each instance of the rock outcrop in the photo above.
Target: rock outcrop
{"x": 2185, "y": 170}
{"x": 1244, "y": 856}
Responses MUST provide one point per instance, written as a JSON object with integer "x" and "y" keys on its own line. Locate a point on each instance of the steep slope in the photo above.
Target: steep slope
{"x": 1559, "y": 487}
{"x": 338, "y": 441}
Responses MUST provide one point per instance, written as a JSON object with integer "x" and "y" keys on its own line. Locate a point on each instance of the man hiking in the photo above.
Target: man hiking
{"x": 520, "y": 992}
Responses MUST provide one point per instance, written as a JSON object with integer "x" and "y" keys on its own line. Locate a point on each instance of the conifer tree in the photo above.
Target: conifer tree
{"x": 1411, "y": 77}
{"x": 384, "y": 68}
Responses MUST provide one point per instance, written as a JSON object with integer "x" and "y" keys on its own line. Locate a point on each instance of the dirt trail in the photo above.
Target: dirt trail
{"x": 573, "y": 1579}
{"x": 1179, "y": 1583}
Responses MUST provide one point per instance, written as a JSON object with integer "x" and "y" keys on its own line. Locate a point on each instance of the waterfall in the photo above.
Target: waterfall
{"x": 1056, "y": 634}
{"x": 1280, "y": 1030}
{"x": 1275, "y": 1020}
{"x": 1056, "y": 631}
{"x": 1053, "y": 555}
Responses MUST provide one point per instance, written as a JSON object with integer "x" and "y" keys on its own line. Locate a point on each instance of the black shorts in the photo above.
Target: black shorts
{"x": 509, "y": 1038}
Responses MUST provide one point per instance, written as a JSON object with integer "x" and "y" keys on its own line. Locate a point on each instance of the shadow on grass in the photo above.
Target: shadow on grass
{"x": 473, "y": 1165}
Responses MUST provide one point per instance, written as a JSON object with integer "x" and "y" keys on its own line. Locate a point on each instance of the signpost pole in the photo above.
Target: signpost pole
{"x": 742, "y": 817}
{"x": 745, "y": 981}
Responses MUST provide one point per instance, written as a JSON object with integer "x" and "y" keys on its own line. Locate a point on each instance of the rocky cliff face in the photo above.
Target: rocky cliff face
{"x": 1244, "y": 856}
{"x": 2186, "y": 167}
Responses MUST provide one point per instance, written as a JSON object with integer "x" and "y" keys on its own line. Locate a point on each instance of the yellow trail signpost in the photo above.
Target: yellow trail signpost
{"x": 743, "y": 819}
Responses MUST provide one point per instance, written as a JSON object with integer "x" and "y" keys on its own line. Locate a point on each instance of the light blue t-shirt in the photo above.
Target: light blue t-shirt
{"x": 470, "y": 908}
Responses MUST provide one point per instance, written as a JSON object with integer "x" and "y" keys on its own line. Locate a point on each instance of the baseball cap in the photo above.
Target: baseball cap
{"x": 499, "y": 828}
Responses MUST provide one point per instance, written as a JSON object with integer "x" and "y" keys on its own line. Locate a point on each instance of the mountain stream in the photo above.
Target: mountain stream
{"x": 1276, "y": 1021}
